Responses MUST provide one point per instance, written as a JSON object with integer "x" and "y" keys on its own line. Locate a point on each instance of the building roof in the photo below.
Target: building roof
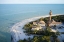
{"x": 42, "y": 22}
{"x": 54, "y": 22}
{"x": 34, "y": 23}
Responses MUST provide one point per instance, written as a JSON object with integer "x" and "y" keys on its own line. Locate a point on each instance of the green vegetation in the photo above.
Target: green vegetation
{"x": 28, "y": 27}
{"x": 43, "y": 35}
{"x": 41, "y": 19}
{"x": 46, "y": 37}
{"x": 46, "y": 19}
{"x": 58, "y": 18}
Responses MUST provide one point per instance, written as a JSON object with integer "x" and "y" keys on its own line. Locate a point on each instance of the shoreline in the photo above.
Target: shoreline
{"x": 17, "y": 31}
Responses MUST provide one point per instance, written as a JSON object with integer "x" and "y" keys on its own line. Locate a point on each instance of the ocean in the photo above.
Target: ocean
{"x": 14, "y": 13}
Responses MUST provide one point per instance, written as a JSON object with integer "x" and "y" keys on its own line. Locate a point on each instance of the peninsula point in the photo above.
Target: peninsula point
{"x": 48, "y": 28}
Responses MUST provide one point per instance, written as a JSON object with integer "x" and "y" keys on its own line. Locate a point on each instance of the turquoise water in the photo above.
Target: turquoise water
{"x": 13, "y": 13}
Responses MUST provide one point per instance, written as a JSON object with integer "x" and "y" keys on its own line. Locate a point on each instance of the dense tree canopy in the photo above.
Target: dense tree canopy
{"x": 44, "y": 35}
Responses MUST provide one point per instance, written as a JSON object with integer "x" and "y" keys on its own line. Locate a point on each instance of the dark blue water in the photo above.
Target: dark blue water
{"x": 13, "y": 13}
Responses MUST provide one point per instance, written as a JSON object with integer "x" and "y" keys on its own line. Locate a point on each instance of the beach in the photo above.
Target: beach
{"x": 17, "y": 31}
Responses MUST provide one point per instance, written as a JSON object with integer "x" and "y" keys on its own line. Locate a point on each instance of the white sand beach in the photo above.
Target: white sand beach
{"x": 17, "y": 31}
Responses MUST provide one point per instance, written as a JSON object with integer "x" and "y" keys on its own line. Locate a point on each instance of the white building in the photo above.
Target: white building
{"x": 38, "y": 25}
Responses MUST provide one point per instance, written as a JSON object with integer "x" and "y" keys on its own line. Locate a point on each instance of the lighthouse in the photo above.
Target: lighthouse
{"x": 50, "y": 15}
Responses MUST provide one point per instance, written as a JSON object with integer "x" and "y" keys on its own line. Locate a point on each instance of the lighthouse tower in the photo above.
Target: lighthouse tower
{"x": 50, "y": 15}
